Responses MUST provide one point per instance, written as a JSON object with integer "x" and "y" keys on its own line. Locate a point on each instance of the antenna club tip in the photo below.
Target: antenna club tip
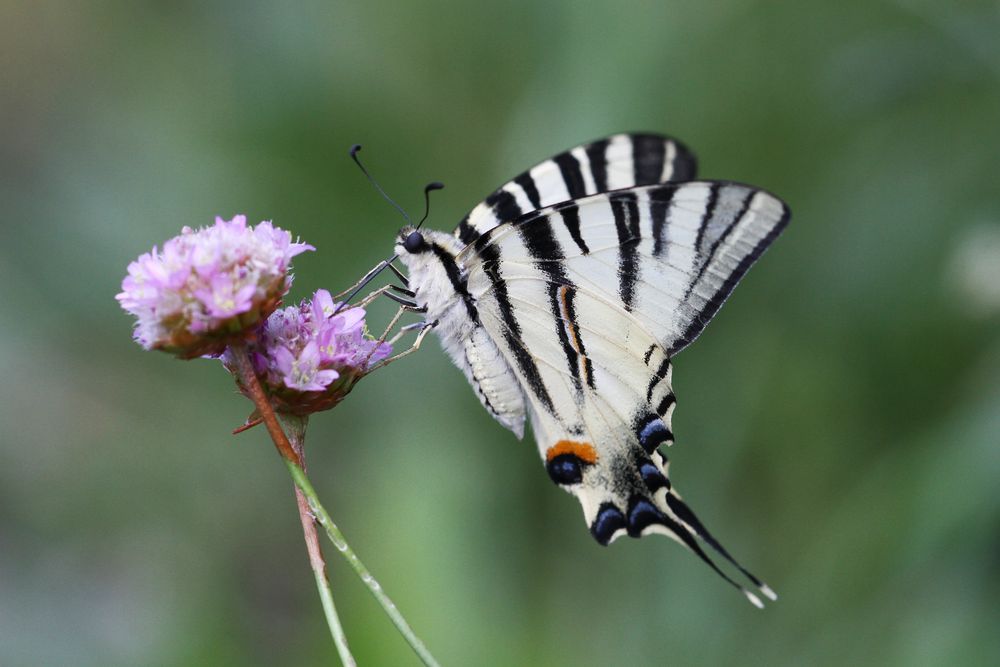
{"x": 434, "y": 185}
{"x": 754, "y": 600}
{"x": 355, "y": 149}
{"x": 769, "y": 592}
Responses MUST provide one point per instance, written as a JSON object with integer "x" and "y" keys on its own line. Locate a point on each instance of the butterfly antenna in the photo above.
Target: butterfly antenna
{"x": 387, "y": 262}
{"x": 436, "y": 185}
{"x": 355, "y": 149}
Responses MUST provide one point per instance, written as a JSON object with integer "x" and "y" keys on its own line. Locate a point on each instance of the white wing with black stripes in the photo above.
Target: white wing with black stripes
{"x": 564, "y": 297}
{"x": 617, "y": 162}
{"x": 668, "y": 255}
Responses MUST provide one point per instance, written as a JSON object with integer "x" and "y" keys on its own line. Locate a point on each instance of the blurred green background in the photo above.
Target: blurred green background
{"x": 839, "y": 426}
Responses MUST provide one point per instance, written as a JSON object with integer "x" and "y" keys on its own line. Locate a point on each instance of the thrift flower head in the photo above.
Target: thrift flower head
{"x": 208, "y": 286}
{"x": 307, "y": 358}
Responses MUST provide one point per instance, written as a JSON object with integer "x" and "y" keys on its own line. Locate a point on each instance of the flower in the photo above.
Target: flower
{"x": 308, "y": 357}
{"x": 208, "y": 287}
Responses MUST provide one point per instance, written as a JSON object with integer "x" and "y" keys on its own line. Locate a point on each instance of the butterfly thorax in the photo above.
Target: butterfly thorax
{"x": 438, "y": 279}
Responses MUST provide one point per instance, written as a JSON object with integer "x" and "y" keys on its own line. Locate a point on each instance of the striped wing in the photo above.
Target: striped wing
{"x": 617, "y": 162}
{"x": 588, "y": 301}
{"x": 667, "y": 255}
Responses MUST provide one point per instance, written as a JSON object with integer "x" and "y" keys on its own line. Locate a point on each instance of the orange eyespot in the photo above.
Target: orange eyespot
{"x": 582, "y": 450}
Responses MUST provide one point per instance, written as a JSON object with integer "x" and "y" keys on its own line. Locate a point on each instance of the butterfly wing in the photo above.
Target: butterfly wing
{"x": 588, "y": 301}
{"x": 616, "y": 162}
{"x": 669, "y": 254}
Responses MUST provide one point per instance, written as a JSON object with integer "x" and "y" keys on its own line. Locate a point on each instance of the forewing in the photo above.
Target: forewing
{"x": 668, "y": 255}
{"x": 616, "y": 162}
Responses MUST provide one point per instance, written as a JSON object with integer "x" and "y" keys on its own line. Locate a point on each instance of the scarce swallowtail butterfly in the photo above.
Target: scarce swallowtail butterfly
{"x": 564, "y": 297}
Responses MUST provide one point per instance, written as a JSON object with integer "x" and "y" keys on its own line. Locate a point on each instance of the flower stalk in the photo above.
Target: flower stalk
{"x": 313, "y": 511}
{"x": 296, "y": 428}
{"x": 294, "y": 455}
{"x": 338, "y": 540}
{"x": 248, "y": 380}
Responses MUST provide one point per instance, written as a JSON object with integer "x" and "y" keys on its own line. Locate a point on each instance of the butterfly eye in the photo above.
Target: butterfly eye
{"x": 414, "y": 242}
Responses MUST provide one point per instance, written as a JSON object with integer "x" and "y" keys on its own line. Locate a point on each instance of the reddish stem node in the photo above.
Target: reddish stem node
{"x": 250, "y": 381}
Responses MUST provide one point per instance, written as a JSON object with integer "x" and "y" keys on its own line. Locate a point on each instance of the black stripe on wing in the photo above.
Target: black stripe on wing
{"x": 709, "y": 309}
{"x": 659, "y": 212}
{"x": 662, "y": 370}
{"x": 617, "y": 162}
{"x": 527, "y": 183}
{"x": 545, "y": 249}
{"x": 572, "y": 175}
{"x": 625, "y": 208}
{"x": 512, "y": 333}
{"x": 567, "y": 296}
{"x": 571, "y": 218}
{"x": 596, "y": 154}
{"x": 504, "y": 205}
{"x": 648, "y": 155}
{"x": 458, "y": 283}
{"x": 723, "y": 226}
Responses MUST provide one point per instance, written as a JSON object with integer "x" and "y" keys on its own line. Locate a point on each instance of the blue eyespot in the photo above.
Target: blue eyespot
{"x": 608, "y": 520}
{"x": 652, "y": 476}
{"x": 565, "y": 469}
{"x": 641, "y": 513}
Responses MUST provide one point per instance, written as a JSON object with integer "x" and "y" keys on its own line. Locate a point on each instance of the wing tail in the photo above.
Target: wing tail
{"x": 688, "y": 517}
{"x": 652, "y": 506}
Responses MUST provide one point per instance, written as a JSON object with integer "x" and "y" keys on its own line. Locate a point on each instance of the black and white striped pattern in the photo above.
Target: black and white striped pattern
{"x": 615, "y": 163}
{"x": 669, "y": 254}
{"x": 580, "y": 280}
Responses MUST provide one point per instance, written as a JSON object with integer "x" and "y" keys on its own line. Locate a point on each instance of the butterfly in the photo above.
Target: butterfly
{"x": 564, "y": 297}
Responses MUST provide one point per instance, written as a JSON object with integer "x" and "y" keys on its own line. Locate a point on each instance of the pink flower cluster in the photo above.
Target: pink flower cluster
{"x": 308, "y": 358}
{"x": 207, "y": 286}
{"x": 218, "y": 286}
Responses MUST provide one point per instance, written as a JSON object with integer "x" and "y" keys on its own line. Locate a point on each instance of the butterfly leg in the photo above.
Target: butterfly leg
{"x": 424, "y": 328}
{"x": 389, "y": 292}
{"x": 371, "y": 274}
{"x": 407, "y": 307}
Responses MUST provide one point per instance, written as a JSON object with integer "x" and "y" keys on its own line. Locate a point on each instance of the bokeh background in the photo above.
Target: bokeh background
{"x": 839, "y": 426}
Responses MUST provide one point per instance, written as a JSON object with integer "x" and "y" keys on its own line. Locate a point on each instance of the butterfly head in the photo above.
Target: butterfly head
{"x": 411, "y": 240}
{"x": 414, "y": 242}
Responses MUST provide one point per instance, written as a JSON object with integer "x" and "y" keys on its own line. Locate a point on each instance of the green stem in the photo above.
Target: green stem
{"x": 295, "y": 427}
{"x": 332, "y": 619}
{"x": 302, "y": 482}
{"x": 293, "y": 450}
